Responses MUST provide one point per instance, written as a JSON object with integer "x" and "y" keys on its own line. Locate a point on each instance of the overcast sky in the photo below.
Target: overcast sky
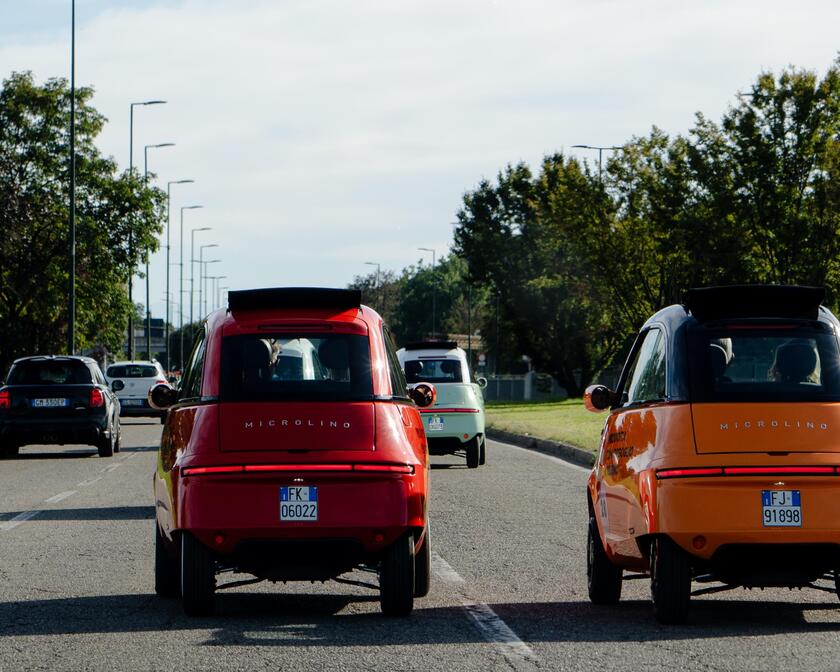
{"x": 323, "y": 134}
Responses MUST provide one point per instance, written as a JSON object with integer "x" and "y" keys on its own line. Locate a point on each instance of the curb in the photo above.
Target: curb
{"x": 559, "y": 449}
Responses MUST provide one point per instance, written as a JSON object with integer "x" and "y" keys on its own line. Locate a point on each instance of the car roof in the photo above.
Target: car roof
{"x": 452, "y": 353}
{"x": 134, "y": 362}
{"x": 57, "y": 358}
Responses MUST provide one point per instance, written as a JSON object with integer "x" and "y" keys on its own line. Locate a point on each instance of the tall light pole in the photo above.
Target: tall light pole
{"x": 146, "y": 149}
{"x": 202, "y": 287}
{"x": 181, "y": 290}
{"x": 71, "y": 307}
{"x": 601, "y": 150}
{"x": 168, "y": 264}
{"x": 214, "y": 292}
{"x": 378, "y": 290}
{"x": 192, "y": 269}
{"x": 130, "y": 231}
{"x": 434, "y": 285}
{"x": 219, "y": 295}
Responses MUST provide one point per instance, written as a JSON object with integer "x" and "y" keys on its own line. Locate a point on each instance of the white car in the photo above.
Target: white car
{"x": 132, "y": 381}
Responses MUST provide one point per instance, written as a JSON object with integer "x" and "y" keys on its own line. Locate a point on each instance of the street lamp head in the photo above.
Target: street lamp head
{"x": 213, "y": 261}
{"x": 191, "y": 207}
{"x": 152, "y": 102}
{"x": 161, "y": 144}
{"x": 180, "y": 181}
{"x": 204, "y": 247}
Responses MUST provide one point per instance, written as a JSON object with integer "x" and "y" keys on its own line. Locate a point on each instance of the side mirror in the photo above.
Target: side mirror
{"x": 481, "y": 382}
{"x": 598, "y": 398}
{"x": 423, "y": 394}
{"x": 162, "y": 396}
{"x": 117, "y": 385}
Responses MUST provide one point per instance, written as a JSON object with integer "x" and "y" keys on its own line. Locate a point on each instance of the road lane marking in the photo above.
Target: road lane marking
{"x": 558, "y": 460}
{"x": 12, "y": 523}
{"x": 111, "y": 467}
{"x": 61, "y": 495}
{"x": 497, "y": 632}
{"x": 90, "y": 481}
{"x": 443, "y": 570}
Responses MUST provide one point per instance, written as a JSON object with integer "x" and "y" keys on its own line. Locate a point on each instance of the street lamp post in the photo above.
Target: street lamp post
{"x": 182, "y": 292}
{"x": 168, "y": 264}
{"x": 219, "y": 294}
{"x": 378, "y": 288}
{"x": 192, "y": 274}
{"x": 214, "y": 291}
{"x": 434, "y": 286}
{"x": 202, "y": 287}
{"x": 71, "y": 307}
{"x": 130, "y": 232}
{"x": 146, "y": 149}
{"x": 601, "y": 150}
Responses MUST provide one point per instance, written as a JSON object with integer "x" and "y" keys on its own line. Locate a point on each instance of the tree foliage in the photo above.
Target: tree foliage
{"x": 34, "y": 217}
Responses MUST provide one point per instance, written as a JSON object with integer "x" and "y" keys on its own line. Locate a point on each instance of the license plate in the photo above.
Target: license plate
{"x": 436, "y": 423}
{"x": 132, "y": 402}
{"x": 781, "y": 508}
{"x": 50, "y": 403}
{"x": 298, "y": 503}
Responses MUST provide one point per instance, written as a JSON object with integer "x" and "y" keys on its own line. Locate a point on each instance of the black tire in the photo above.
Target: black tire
{"x": 837, "y": 582}
{"x": 198, "y": 577}
{"x": 9, "y": 450}
{"x": 118, "y": 437}
{"x": 163, "y": 419}
{"x": 105, "y": 445}
{"x": 482, "y": 451}
{"x": 423, "y": 566}
{"x": 473, "y": 453}
{"x": 603, "y": 578}
{"x": 167, "y": 568}
{"x": 670, "y": 581}
{"x": 396, "y": 578}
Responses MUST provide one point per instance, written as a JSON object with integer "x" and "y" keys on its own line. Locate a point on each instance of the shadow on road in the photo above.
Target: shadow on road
{"x": 448, "y": 466}
{"x": 139, "y": 449}
{"x": 103, "y": 513}
{"x": 59, "y": 453}
{"x": 278, "y": 619}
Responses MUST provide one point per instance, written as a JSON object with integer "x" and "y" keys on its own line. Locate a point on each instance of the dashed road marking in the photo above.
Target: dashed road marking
{"x": 61, "y": 495}
{"x": 111, "y": 467}
{"x": 88, "y": 482}
{"x": 12, "y": 523}
{"x": 443, "y": 570}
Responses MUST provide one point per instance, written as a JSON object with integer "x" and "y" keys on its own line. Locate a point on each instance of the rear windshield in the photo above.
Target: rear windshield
{"x": 433, "y": 370}
{"x": 311, "y": 367}
{"x": 770, "y": 362}
{"x": 61, "y": 372}
{"x": 132, "y": 371}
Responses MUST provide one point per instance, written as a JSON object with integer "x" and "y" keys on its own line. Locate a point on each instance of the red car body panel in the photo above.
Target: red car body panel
{"x": 340, "y": 447}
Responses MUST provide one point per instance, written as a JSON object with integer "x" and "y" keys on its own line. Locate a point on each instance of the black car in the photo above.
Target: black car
{"x": 58, "y": 400}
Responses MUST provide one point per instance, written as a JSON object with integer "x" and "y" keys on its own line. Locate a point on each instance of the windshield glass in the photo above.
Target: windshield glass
{"x": 773, "y": 362}
{"x": 433, "y": 370}
{"x": 66, "y": 372}
{"x": 314, "y": 367}
{"x": 132, "y": 371}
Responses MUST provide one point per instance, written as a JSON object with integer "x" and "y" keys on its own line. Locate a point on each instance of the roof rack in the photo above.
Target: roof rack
{"x": 751, "y": 301}
{"x": 431, "y": 345}
{"x": 294, "y": 297}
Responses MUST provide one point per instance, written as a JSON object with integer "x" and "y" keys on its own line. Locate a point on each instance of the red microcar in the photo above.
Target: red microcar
{"x": 292, "y": 450}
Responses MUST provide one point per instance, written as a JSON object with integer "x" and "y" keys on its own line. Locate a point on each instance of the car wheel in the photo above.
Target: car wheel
{"x": 167, "y": 579}
{"x": 473, "y": 453}
{"x": 163, "y": 419}
{"x": 117, "y": 437}
{"x": 603, "y": 578}
{"x": 105, "y": 446}
{"x": 396, "y": 578}
{"x": 670, "y": 581}
{"x": 9, "y": 450}
{"x": 198, "y": 577}
{"x": 423, "y": 566}
{"x": 837, "y": 582}
{"x": 482, "y": 451}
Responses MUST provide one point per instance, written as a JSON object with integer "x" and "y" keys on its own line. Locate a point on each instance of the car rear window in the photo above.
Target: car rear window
{"x": 765, "y": 363}
{"x": 132, "y": 371}
{"x": 287, "y": 367}
{"x": 431, "y": 370}
{"x": 66, "y": 372}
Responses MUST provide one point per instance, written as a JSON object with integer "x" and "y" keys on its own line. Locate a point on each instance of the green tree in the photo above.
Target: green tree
{"x": 34, "y": 216}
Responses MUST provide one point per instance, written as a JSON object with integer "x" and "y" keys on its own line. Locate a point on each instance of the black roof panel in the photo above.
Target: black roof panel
{"x": 294, "y": 297}
{"x": 751, "y": 301}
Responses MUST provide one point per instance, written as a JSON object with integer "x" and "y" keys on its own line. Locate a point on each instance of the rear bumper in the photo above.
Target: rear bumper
{"x": 127, "y": 408}
{"x": 359, "y": 513}
{"x": 47, "y": 431}
{"x": 462, "y": 426}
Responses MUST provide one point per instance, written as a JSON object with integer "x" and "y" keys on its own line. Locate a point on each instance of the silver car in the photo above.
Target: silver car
{"x": 132, "y": 382}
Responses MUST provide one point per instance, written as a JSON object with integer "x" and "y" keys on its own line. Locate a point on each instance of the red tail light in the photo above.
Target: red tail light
{"x": 5, "y": 399}
{"x": 263, "y": 468}
{"x": 97, "y": 399}
{"x": 682, "y": 473}
{"x": 748, "y": 471}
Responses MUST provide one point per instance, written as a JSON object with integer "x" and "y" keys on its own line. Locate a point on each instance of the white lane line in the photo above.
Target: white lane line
{"x": 443, "y": 570}
{"x": 61, "y": 495}
{"x": 88, "y": 482}
{"x": 497, "y": 632}
{"x": 111, "y": 467}
{"x": 558, "y": 460}
{"x": 12, "y": 523}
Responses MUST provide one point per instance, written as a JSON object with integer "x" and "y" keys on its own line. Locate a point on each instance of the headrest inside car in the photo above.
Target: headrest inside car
{"x": 334, "y": 354}
{"x": 413, "y": 368}
{"x": 795, "y": 362}
{"x": 449, "y": 366}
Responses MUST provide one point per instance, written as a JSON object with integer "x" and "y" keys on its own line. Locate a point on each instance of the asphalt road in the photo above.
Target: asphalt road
{"x": 509, "y": 589}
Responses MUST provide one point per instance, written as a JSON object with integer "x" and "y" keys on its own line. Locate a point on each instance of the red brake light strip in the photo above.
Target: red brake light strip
{"x": 747, "y": 471}
{"x": 449, "y": 410}
{"x": 262, "y": 468}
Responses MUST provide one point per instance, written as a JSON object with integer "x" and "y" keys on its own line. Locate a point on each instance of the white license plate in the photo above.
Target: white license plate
{"x": 781, "y": 508}
{"x": 50, "y": 403}
{"x": 435, "y": 423}
{"x": 298, "y": 503}
{"x": 132, "y": 402}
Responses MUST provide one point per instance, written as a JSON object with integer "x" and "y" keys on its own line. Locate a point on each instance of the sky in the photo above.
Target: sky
{"x": 323, "y": 134}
